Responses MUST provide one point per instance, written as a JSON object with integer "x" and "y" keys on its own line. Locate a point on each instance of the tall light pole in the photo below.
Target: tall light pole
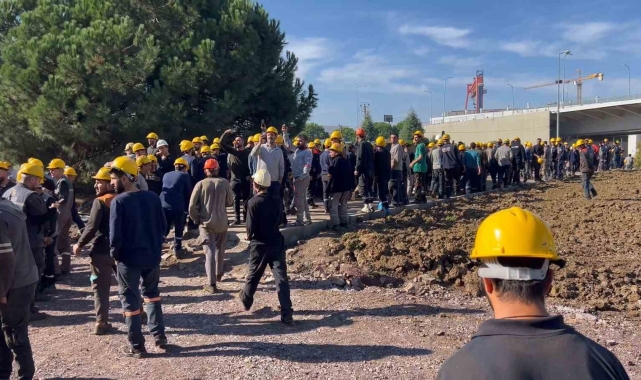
{"x": 430, "y": 92}
{"x": 444, "y": 95}
{"x": 558, "y": 95}
{"x": 512, "y": 95}
{"x": 358, "y": 104}
{"x": 565, "y": 58}
{"x": 629, "y": 87}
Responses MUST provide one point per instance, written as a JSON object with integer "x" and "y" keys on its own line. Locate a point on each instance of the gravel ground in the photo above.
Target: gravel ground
{"x": 376, "y": 333}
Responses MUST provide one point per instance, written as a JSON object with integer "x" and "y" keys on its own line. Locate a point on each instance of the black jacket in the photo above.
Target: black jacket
{"x": 518, "y": 153}
{"x": 365, "y": 158}
{"x": 165, "y": 166}
{"x": 238, "y": 159}
{"x": 340, "y": 179}
{"x": 449, "y": 157}
{"x": 382, "y": 168}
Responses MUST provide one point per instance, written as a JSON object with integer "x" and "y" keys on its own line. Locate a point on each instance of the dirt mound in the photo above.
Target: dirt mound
{"x": 598, "y": 238}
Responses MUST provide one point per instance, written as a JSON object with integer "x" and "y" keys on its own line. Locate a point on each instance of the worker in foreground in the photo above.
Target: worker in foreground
{"x": 266, "y": 247}
{"x": 208, "y": 209}
{"x": 102, "y": 264}
{"x": 516, "y": 248}
{"x": 136, "y": 233}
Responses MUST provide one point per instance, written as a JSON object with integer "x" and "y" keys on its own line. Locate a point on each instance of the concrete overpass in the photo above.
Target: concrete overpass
{"x": 614, "y": 118}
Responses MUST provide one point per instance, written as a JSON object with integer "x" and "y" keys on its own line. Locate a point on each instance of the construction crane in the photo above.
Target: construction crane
{"x": 578, "y": 82}
{"x": 475, "y": 91}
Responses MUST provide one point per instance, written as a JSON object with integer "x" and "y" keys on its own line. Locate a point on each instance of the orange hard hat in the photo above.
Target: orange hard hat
{"x": 211, "y": 164}
{"x": 360, "y": 132}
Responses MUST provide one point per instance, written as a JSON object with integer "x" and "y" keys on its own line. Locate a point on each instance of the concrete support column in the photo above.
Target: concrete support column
{"x": 633, "y": 141}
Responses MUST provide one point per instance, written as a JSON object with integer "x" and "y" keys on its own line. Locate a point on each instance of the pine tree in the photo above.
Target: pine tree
{"x": 409, "y": 125}
{"x": 368, "y": 126}
{"x": 80, "y": 78}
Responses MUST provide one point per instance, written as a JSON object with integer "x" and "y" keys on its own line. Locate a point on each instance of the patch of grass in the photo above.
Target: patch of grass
{"x": 451, "y": 218}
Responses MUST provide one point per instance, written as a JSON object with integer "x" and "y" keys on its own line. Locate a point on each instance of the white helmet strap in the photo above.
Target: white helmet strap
{"x": 491, "y": 268}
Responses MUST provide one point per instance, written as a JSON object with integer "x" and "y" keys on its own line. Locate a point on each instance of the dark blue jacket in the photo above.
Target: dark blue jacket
{"x": 382, "y": 168}
{"x": 324, "y": 162}
{"x": 137, "y": 229}
{"x": 340, "y": 179}
{"x": 176, "y": 191}
{"x": 222, "y": 161}
{"x": 574, "y": 156}
{"x": 449, "y": 158}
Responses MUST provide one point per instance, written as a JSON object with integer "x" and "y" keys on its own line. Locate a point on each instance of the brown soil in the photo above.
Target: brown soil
{"x": 598, "y": 238}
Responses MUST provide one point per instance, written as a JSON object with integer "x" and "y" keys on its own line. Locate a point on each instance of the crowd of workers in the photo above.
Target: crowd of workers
{"x": 143, "y": 194}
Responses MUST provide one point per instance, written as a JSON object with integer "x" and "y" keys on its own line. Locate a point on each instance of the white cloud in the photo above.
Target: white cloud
{"x": 442, "y": 35}
{"x": 522, "y": 48}
{"x": 461, "y": 63}
{"x": 376, "y": 72}
{"x": 310, "y": 53}
{"x": 587, "y": 33}
{"x": 421, "y": 51}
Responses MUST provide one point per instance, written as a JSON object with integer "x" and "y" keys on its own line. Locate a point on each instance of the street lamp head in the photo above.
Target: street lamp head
{"x": 566, "y": 52}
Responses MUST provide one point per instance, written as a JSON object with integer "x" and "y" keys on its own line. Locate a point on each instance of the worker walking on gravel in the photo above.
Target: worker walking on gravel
{"x": 452, "y": 165}
{"x": 420, "y": 167}
{"x": 238, "y": 158}
{"x": 301, "y": 163}
{"x": 437, "y": 186}
{"x": 492, "y": 164}
{"x": 338, "y": 188}
{"x": 524, "y": 341}
{"x": 396, "y": 163}
{"x": 503, "y": 156}
{"x": 364, "y": 169}
{"x": 538, "y": 156}
{"x": 136, "y": 235}
{"x": 176, "y": 191}
{"x": 324, "y": 162}
{"x": 586, "y": 167}
{"x": 18, "y": 282}
{"x": 65, "y": 199}
{"x": 266, "y": 247}
{"x": 208, "y": 209}
{"x": 382, "y": 173}
{"x": 102, "y": 264}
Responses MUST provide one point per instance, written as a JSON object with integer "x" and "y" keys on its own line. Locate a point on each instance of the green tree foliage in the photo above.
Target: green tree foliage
{"x": 315, "y": 131}
{"x": 80, "y": 78}
{"x": 368, "y": 126}
{"x": 409, "y": 125}
{"x": 385, "y": 129}
{"x": 349, "y": 134}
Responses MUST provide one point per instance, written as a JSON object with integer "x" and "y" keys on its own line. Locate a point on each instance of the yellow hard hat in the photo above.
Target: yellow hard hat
{"x": 579, "y": 142}
{"x": 380, "y": 141}
{"x": 336, "y": 147}
{"x": 5, "y": 165}
{"x": 152, "y": 135}
{"x": 181, "y": 161}
{"x": 514, "y": 232}
{"x": 257, "y": 137}
{"x": 589, "y": 141}
{"x": 490, "y": 145}
{"x": 539, "y": 160}
{"x": 311, "y": 145}
{"x": 186, "y": 145}
{"x": 439, "y": 142}
{"x": 279, "y": 140}
{"x": 216, "y": 140}
{"x": 506, "y": 141}
{"x": 142, "y": 160}
{"x": 250, "y": 139}
{"x": 401, "y": 142}
{"x": 56, "y": 163}
{"x": 129, "y": 146}
{"x": 431, "y": 145}
{"x": 517, "y": 138}
{"x": 272, "y": 130}
{"x": 445, "y": 137}
{"x": 125, "y": 165}
{"x": 328, "y": 143}
{"x": 336, "y": 135}
{"x": 214, "y": 146}
{"x": 461, "y": 147}
{"x": 418, "y": 133}
{"x": 617, "y": 142}
{"x": 204, "y": 138}
{"x": 137, "y": 147}
{"x": 317, "y": 141}
{"x": 70, "y": 171}
{"x": 152, "y": 158}
{"x": 605, "y": 140}
{"x": 36, "y": 161}
{"x": 197, "y": 140}
{"x": 205, "y": 149}
{"x": 32, "y": 169}
{"x": 552, "y": 139}
{"x": 103, "y": 174}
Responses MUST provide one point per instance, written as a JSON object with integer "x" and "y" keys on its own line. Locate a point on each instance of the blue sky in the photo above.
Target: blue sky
{"x": 400, "y": 49}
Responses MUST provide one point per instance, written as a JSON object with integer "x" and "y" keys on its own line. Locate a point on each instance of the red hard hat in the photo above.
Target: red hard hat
{"x": 360, "y": 132}
{"x": 211, "y": 164}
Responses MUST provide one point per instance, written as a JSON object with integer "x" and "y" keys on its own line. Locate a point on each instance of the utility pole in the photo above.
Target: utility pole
{"x": 629, "y": 87}
{"x": 444, "y": 96}
{"x": 512, "y": 95}
{"x": 358, "y": 104}
{"x": 558, "y": 95}
{"x": 431, "y": 97}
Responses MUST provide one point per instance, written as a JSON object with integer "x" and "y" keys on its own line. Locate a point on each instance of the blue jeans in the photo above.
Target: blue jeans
{"x": 587, "y": 186}
{"x": 129, "y": 292}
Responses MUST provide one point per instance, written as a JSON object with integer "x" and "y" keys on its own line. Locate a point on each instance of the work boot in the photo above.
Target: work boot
{"x": 593, "y": 192}
{"x": 161, "y": 342}
{"x": 219, "y": 277}
{"x": 49, "y": 289}
{"x": 102, "y": 328}
{"x": 138, "y": 353}
{"x": 212, "y": 289}
{"x": 41, "y": 297}
{"x": 37, "y": 316}
{"x": 238, "y": 222}
{"x": 242, "y": 301}
{"x": 143, "y": 317}
{"x": 287, "y": 319}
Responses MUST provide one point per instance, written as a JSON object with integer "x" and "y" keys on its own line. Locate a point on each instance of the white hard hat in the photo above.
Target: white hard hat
{"x": 262, "y": 178}
{"x": 161, "y": 143}
{"x": 437, "y": 137}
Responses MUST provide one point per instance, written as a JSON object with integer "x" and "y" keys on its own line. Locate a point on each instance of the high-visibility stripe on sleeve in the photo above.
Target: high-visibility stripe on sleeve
{"x": 155, "y": 299}
{"x": 131, "y": 313}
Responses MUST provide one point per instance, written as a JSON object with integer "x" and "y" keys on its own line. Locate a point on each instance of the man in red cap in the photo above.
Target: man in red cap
{"x": 208, "y": 209}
